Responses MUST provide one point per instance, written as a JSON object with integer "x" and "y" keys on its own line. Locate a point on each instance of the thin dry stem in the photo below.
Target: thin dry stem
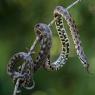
{"x": 17, "y": 83}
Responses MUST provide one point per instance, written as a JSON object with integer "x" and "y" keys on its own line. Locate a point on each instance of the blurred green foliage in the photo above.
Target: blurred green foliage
{"x": 17, "y": 20}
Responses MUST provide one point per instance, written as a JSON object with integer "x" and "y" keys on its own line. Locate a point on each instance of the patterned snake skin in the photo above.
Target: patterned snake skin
{"x": 44, "y": 35}
{"x": 75, "y": 35}
{"x": 62, "y": 59}
{"x": 25, "y": 75}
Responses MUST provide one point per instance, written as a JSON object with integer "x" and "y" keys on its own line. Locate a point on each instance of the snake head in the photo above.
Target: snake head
{"x": 42, "y": 30}
{"x": 60, "y": 11}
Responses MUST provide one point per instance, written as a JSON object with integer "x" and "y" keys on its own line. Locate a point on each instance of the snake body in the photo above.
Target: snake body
{"x": 75, "y": 35}
{"x": 25, "y": 75}
{"x": 64, "y": 41}
{"x": 63, "y": 57}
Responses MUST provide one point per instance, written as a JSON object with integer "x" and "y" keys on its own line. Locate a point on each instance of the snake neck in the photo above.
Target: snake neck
{"x": 63, "y": 36}
{"x": 42, "y": 56}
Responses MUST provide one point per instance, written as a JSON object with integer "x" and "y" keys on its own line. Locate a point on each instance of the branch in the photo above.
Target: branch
{"x": 17, "y": 82}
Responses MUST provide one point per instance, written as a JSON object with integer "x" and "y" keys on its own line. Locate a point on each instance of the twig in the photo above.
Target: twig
{"x": 17, "y": 83}
{"x": 69, "y": 7}
{"x": 33, "y": 46}
{"x": 52, "y": 22}
{"x": 16, "y": 87}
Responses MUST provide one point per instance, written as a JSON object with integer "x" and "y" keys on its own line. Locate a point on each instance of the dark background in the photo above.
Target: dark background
{"x": 17, "y": 20}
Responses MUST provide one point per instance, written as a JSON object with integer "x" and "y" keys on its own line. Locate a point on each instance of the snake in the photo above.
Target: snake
{"x": 75, "y": 35}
